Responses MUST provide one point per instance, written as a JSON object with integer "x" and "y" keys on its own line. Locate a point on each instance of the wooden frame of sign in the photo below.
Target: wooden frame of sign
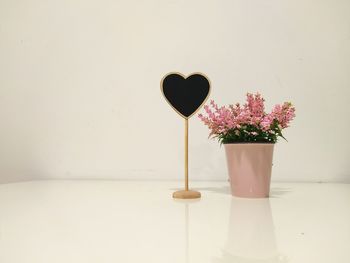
{"x": 186, "y": 95}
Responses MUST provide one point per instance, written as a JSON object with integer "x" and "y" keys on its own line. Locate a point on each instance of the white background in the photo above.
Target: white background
{"x": 80, "y": 96}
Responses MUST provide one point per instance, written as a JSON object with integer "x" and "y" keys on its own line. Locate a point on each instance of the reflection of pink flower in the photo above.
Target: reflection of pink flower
{"x": 221, "y": 120}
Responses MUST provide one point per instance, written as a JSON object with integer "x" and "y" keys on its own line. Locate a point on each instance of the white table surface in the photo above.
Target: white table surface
{"x": 134, "y": 221}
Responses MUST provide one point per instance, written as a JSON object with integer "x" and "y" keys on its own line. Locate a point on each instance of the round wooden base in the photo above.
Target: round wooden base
{"x": 183, "y": 194}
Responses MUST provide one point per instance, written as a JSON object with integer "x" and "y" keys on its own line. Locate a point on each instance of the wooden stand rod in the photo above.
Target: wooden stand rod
{"x": 186, "y": 154}
{"x": 186, "y": 194}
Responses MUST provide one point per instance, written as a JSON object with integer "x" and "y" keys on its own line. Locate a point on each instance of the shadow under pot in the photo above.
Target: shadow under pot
{"x": 249, "y": 168}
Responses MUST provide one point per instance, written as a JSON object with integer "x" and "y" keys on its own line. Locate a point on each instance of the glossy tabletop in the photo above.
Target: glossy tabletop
{"x": 134, "y": 221}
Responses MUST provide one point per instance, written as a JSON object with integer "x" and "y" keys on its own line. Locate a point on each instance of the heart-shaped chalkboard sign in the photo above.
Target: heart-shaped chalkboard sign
{"x": 185, "y": 94}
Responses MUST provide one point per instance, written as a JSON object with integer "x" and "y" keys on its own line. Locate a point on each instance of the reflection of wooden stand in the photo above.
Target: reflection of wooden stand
{"x": 186, "y": 194}
{"x": 187, "y": 236}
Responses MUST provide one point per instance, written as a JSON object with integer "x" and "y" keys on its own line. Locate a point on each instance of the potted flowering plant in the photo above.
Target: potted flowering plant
{"x": 248, "y": 134}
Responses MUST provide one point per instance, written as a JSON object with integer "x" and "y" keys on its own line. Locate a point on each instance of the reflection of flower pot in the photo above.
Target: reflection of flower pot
{"x": 251, "y": 231}
{"x": 251, "y": 236}
{"x": 249, "y": 167}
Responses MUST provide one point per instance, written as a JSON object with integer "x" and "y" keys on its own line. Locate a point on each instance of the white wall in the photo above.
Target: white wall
{"x": 80, "y": 97}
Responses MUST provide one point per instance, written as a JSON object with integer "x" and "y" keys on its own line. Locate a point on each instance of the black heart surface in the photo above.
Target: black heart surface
{"x": 185, "y": 94}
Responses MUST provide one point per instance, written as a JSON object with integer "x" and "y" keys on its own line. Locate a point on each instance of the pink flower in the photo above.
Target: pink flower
{"x": 266, "y": 122}
{"x": 255, "y": 104}
{"x": 236, "y": 118}
{"x": 284, "y": 114}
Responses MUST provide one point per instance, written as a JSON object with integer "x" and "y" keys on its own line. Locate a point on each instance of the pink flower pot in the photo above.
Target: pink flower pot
{"x": 249, "y": 168}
